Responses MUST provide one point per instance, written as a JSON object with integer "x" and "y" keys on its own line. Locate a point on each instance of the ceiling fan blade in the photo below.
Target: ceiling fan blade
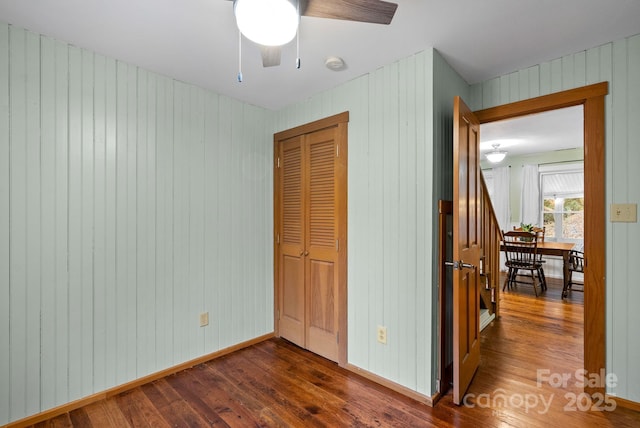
{"x": 373, "y": 11}
{"x": 270, "y": 55}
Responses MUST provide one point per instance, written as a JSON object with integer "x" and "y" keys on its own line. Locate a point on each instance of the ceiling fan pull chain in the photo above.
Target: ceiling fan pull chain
{"x": 298, "y": 53}
{"x": 239, "y": 56}
{"x": 298, "y": 38}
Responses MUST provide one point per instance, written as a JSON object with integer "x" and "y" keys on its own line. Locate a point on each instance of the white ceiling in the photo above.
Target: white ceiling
{"x": 560, "y": 129}
{"x": 196, "y": 41}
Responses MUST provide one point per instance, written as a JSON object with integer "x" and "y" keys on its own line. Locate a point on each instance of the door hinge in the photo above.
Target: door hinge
{"x": 438, "y": 385}
{"x": 278, "y": 238}
{"x": 278, "y": 162}
{"x": 337, "y": 150}
{"x": 337, "y": 245}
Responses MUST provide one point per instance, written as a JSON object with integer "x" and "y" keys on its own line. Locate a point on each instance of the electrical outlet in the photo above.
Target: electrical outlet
{"x": 624, "y": 213}
{"x": 382, "y": 334}
{"x": 204, "y": 319}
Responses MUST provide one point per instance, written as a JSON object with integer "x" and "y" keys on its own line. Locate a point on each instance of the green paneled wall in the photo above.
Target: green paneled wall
{"x": 129, "y": 204}
{"x": 618, "y": 63}
{"x": 390, "y": 204}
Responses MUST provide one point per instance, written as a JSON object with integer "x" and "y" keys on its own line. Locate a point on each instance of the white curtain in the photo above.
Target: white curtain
{"x": 500, "y": 197}
{"x": 530, "y": 210}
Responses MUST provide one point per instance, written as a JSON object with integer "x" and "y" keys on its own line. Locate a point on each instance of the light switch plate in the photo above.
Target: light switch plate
{"x": 624, "y": 213}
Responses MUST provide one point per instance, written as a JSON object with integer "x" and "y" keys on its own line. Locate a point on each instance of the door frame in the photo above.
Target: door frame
{"x": 592, "y": 98}
{"x": 340, "y": 121}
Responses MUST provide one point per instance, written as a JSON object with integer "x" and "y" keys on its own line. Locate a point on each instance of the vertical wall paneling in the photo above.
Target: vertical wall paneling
{"x": 195, "y": 189}
{"x": 390, "y": 212}
{"x": 633, "y": 248}
{"x": 390, "y": 189}
{"x": 75, "y": 217}
{"x": 423, "y": 110}
{"x": 377, "y": 177}
{"x": 556, "y": 75}
{"x": 99, "y": 225}
{"x": 86, "y": 221}
{"x": 407, "y": 210}
{"x": 145, "y": 295}
{"x": 618, "y": 63}
{"x": 61, "y": 305}
{"x": 110, "y": 224}
{"x": 123, "y": 371}
{"x": 619, "y": 171}
{"x": 180, "y": 232}
{"x": 17, "y": 224}
{"x": 580, "y": 70}
{"x": 124, "y": 213}
{"x": 20, "y": 336}
{"x": 211, "y": 198}
{"x": 150, "y": 221}
{"x": 236, "y": 246}
{"x": 5, "y": 232}
{"x": 164, "y": 309}
{"x": 358, "y": 178}
{"x": 223, "y": 173}
{"x": 33, "y": 221}
{"x": 131, "y": 216}
{"x": 48, "y": 218}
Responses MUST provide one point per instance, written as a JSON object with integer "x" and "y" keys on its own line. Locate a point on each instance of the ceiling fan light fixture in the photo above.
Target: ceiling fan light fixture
{"x": 496, "y": 155}
{"x": 267, "y": 22}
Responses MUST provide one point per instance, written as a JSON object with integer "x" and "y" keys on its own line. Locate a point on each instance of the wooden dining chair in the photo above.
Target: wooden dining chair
{"x": 539, "y": 233}
{"x": 576, "y": 265}
{"x": 521, "y": 254}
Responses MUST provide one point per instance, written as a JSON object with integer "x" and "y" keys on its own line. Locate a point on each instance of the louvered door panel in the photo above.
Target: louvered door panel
{"x": 322, "y": 192}
{"x": 321, "y": 275}
{"x": 292, "y": 291}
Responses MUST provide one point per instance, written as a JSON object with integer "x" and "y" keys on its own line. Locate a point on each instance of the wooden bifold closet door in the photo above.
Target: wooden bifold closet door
{"x": 311, "y": 239}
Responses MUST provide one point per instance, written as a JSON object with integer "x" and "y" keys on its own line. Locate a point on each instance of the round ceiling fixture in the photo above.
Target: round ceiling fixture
{"x": 496, "y": 155}
{"x": 267, "y": 22}
{"x": 335, "y": 63}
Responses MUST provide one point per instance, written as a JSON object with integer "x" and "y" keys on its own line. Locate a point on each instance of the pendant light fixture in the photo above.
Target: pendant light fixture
{"x": 496, "y": 155}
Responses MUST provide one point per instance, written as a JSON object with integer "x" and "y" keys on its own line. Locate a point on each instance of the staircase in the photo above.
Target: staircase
{"x": 491, "y": 236}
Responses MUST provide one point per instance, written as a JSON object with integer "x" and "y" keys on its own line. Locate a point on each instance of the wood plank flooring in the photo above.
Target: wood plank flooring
{"x": 275, "y": 383}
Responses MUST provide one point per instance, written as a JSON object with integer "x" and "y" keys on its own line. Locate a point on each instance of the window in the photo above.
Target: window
{"x": 563, "y": 202}
{"x": 564, "y": 218}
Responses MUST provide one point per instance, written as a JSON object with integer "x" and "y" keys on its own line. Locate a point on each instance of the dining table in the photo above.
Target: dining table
{"x": 561, "y": 249}
{"x": 558, "y": 249}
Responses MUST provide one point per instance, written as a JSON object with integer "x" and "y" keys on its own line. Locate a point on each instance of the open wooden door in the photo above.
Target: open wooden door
{"x": 466, "y": 247}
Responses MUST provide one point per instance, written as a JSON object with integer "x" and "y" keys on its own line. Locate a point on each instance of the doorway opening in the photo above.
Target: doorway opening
{"x": 592, "y": 100}
{"x": 539, "y": 181}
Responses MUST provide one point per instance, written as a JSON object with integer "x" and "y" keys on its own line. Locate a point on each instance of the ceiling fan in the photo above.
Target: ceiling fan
{"x": 257, "y": 19}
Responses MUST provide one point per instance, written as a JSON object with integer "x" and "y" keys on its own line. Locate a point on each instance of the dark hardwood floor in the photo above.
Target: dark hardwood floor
{"x": 275, "y": 383}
